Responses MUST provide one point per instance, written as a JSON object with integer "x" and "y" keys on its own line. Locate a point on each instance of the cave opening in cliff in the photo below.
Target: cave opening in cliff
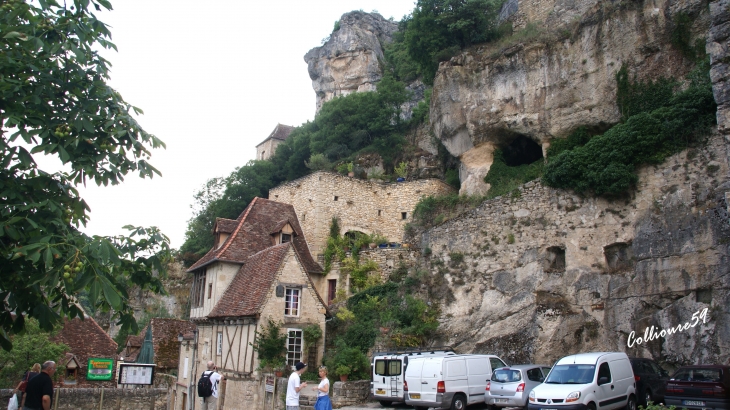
{"x": 521, "y": 151}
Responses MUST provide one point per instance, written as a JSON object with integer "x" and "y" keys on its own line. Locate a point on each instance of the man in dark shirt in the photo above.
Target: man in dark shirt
{"x": 39, "y": 392}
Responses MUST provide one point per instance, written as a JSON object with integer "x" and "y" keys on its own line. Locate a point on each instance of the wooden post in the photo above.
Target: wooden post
{"x": 101, "y": 400}
{"x": 55, "y": 399}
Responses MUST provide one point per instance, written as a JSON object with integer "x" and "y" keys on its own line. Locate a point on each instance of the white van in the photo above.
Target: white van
{"x": 449, "y": 381}
{"x": 388, "y": 370}
{"x": 587, "y": 381}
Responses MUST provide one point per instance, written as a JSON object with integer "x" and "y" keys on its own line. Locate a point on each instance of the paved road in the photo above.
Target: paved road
{"x": 376, "y": 405}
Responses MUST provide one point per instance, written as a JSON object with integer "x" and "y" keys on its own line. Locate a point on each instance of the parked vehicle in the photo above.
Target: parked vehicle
{"x": 699, "y": 387}
{"x": 510, "y": 386}
{"x": 388, "y": 370}
{"x": 449, "y": 381}
{"x": 651, "y": 380}
{"x": 587, "y": 381}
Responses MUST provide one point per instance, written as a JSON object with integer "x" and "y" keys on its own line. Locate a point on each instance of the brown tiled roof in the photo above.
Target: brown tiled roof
{"x": 281, "y": 132}
{"x": 252, "y": 234}
{"x": 225, "y": 225}
{"x": 132, "y": 346}
{"x": 245, "y": 294}
{"x": 85, "y": 339}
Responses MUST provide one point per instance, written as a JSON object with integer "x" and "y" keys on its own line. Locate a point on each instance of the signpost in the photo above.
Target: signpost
{"x": 136, "y": 373}
{"x": 99, "y": 369}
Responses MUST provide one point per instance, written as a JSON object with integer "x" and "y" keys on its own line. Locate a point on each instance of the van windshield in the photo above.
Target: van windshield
{"x": 571, "y": 374}
{"x": 388, "y": 367}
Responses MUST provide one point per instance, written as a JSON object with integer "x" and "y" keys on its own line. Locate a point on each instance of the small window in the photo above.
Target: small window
{"x": 604, "y": 371}
{"x": 304, "y": 217}
{"x": 285, "y": 237}
{"x": 496, "y": 363}
{"x": 210, "y": 290}
{"x": 619, "y": 256}
{"x": 403, "y": 215}
{"x": 535, "y": 375}
{"x": 379, "y": 212}
{"x": 336, "y": 197}
{"x": 219, "y": 344}
{"x": 293, "y": 346}
{"x": 554, "y": 259}
{"x": 291, "y": 300}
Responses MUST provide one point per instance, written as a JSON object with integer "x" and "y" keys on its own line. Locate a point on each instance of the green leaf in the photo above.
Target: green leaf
{"x": 111, "y": 294}
{"x": 15, "y": 34}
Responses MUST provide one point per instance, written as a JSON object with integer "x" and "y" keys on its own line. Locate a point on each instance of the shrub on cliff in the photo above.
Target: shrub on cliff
{"x": 606, "y": 163}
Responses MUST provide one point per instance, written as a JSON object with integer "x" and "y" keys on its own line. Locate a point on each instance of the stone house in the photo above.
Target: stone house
{"x": 267, "y": 148}
{"x": 364, "y": 206}
{"x": 258, "y": 269}
{"x": 85, "y": 339}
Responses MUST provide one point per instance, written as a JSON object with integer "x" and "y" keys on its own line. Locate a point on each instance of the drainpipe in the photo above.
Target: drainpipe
{"x": 194, "y": 377}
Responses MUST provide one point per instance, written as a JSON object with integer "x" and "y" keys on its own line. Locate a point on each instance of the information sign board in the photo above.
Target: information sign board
{"x": 269, "y": 384}
{"x": 136, "y": 373}
{"x": 99, "y": 369}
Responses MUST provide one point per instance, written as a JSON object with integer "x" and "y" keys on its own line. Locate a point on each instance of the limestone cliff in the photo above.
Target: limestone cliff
{"x": 349, "y": 61}
{"x": 561, "y": 78}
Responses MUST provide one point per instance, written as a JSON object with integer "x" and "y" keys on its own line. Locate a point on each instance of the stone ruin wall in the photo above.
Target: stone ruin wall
{"x": 652, "y": 259}
{"x": 365, "y": 206}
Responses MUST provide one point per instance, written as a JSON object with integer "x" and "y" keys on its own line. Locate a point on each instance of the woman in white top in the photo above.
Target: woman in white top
{"x": 323, "y": 389}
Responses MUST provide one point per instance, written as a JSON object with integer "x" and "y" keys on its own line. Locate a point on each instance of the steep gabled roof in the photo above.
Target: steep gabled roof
{"x": 281, "y": 132}
{"x": 245, "y": 295}
{"x": 252, "y": 234}
{"x": 85, "y": 339}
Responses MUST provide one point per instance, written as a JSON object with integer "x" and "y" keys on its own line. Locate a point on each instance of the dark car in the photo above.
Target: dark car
{"x": 699, "y": 387}
{"x": 651, "y": 380}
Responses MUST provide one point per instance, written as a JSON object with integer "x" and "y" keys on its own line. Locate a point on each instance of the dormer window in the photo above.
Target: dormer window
{"x": 283, "y": 234}
{"x": 285, "y": 237}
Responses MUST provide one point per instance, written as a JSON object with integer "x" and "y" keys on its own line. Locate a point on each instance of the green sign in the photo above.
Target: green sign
{"x": 100, "y": 369}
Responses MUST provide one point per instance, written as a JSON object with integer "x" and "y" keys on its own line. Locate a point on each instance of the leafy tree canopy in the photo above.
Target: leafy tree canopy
{"x": 34, "y": 345}
{"x": 54, "y": 100}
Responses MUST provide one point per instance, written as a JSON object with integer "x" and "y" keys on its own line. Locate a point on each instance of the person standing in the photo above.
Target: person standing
{"x": 294, "y": 387}
{"x": 39, "y": 392}
{"x": 20, "y": 390}
{"x": 323, "y": 391}
{"x": 209, "y": 403}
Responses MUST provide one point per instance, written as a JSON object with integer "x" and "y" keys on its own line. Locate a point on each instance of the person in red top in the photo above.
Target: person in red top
{"x": 39, "y": 393}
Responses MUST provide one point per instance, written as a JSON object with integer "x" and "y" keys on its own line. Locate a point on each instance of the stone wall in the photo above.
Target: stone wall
{"x": 112, "y": 399}
{"x": 551, "y": 273}
{"x": 717, "y": 47}
{"x": 360, "y": 205}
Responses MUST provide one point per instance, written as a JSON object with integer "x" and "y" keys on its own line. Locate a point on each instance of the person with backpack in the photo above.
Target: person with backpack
{"x": 208, "y": 387}
{"x": 20, "y": 390}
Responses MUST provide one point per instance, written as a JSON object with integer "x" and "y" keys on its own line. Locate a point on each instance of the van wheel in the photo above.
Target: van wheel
{"x": 386, "y": 403}
{"x": 459, "y": 403}
{"x": 591, "y": 406}
{"x": 631, "y": 404}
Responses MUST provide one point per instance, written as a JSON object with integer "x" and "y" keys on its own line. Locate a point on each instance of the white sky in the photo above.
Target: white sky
{"x": 213, "y": 78}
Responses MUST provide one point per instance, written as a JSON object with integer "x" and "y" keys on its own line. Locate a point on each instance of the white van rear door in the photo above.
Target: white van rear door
{"x": 430, "y": 376}
{"x": 388, "y": 377}
{"x": 413, "y": 377}
{"x": 478, "y": 373}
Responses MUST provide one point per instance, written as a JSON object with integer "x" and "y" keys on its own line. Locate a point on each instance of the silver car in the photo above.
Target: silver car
{"x": 510, "y": 386}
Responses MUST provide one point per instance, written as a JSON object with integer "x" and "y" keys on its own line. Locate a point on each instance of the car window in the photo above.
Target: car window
{"x": 698, "y": 375}
{"x": 604, "y": 371}
{"x": 535, "y": 375}
{"x": 545, "y": 371}
{"x": 496, "y": 363}
{"x": 655, "y": 368}
{"x": 388, "y": 367}
{"x": 506, "y": 375}
{"x": 571, "y": 374}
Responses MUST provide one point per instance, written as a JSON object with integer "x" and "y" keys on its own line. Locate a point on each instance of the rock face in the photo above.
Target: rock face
{"x": 546, "y": 274}
{"x": 350, "y": 60}
{"x": 562, "y": 79}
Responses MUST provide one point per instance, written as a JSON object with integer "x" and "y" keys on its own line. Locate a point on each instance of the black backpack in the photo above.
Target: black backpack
{"x": 205, "y": 387}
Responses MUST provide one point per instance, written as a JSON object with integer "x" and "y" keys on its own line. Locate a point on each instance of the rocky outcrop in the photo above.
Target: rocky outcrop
{"x": 350, "y": 59}
{"x": 561, "y": 79}
{"x": 547, "y": 273}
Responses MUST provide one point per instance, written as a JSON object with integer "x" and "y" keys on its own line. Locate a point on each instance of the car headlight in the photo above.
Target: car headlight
{"x": 532, "y": 396}
{"x": 574, "y": 396}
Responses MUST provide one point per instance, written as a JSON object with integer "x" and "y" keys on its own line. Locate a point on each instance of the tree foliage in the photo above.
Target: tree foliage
{"x": 606, "y": 163}
{"x": 33, "y": 345}
{"x": 438, "y": 29}
{"x": 54, "y": 100}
